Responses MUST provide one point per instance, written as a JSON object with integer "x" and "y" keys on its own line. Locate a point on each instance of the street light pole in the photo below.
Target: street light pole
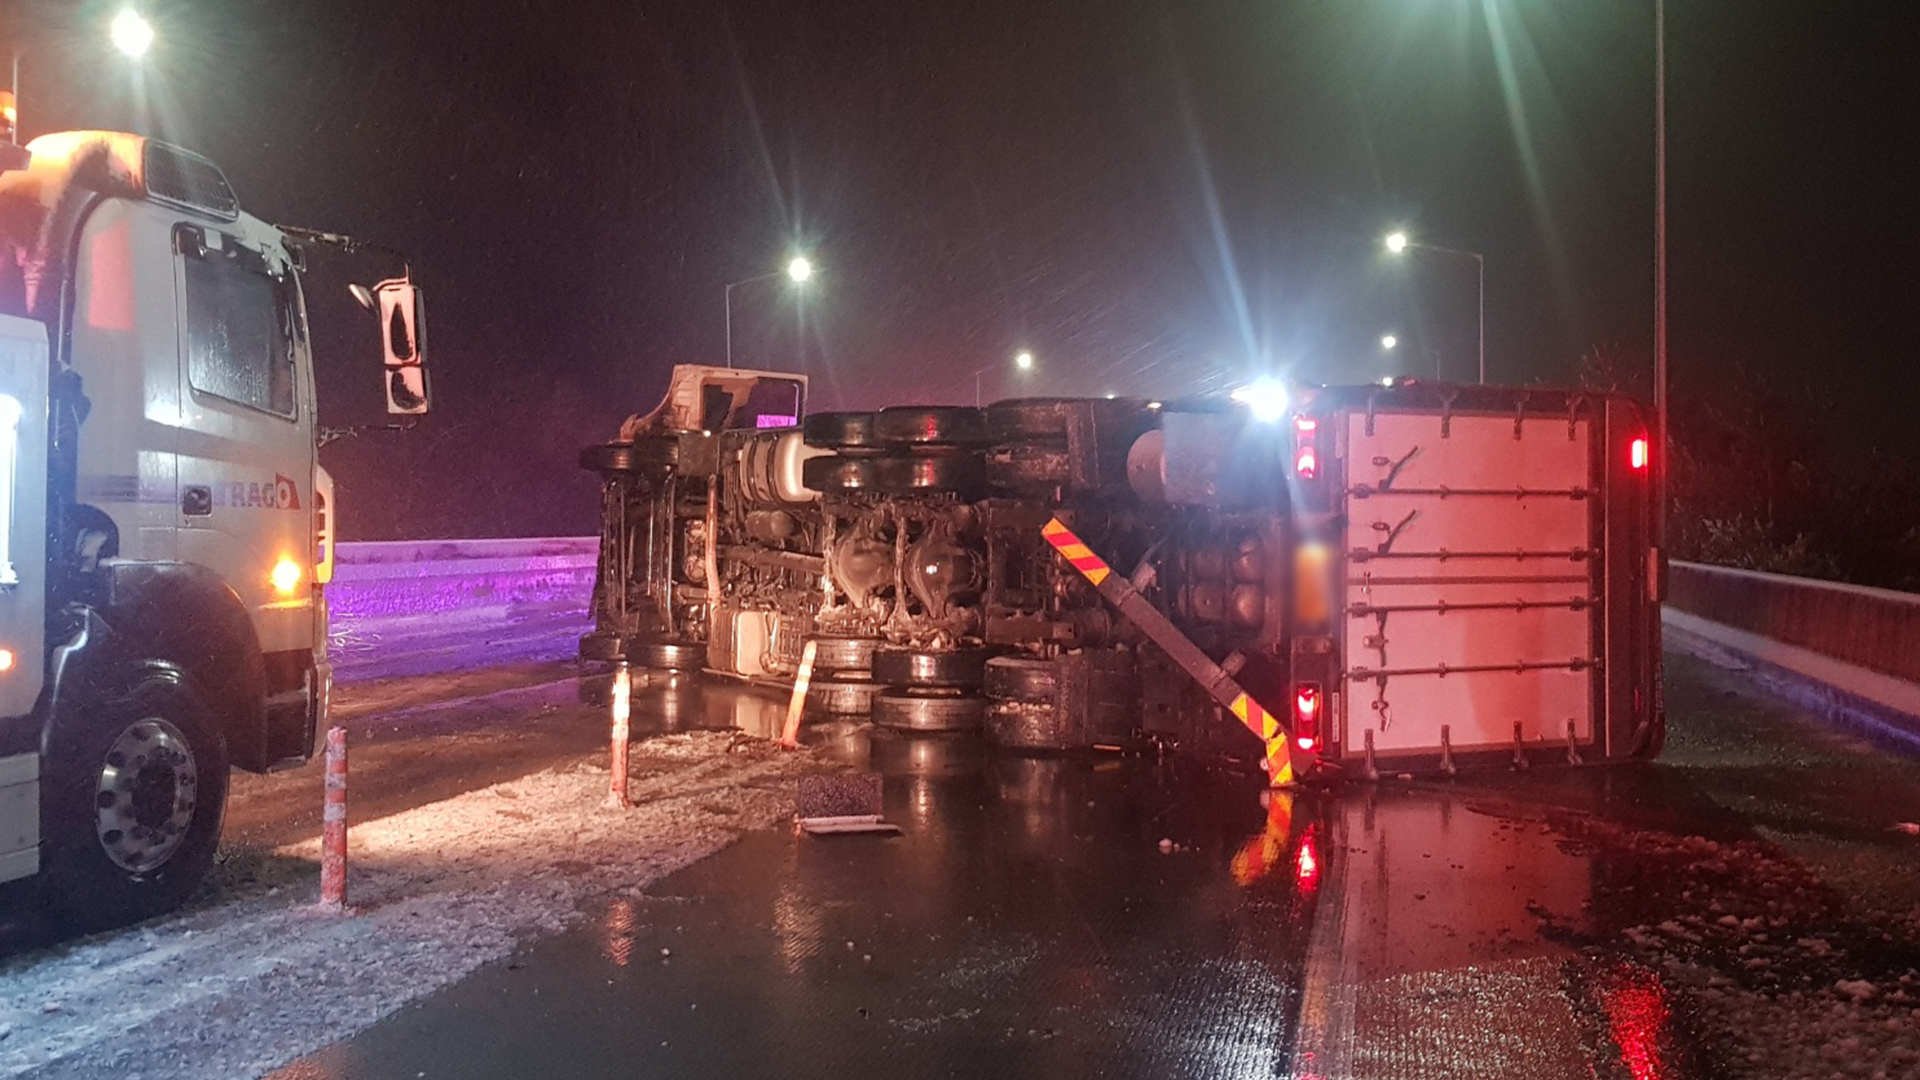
{"x": 1660, "y": 287}
{"x": 799, "y": 270}
{"x": 1398, "y": 242}
{"x": 1023, "y": 360}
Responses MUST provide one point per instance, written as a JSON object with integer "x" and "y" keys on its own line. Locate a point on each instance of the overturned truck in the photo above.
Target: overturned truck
{"x": 1418, "y": 576}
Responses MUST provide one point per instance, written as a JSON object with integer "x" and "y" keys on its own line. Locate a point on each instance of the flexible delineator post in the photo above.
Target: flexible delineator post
{"x": 1219, "y": 685}
{"x": 333, "y": 825}
{"x": 622, "y": 709}
{"x": 790, "y": 735}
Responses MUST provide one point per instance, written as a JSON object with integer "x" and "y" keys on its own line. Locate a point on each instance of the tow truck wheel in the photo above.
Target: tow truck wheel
{"x": 135, "y": 788}
{"x": 957, "y": 668}
{"x": 929, "y": 710}
{"x": 668, "y": 655}
{"x": 930, "y": 425}
{"x": 839, "y": 431}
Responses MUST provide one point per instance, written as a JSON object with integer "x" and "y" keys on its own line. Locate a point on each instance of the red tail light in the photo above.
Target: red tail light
{"x": 1306, "y": 456}
{"x": 1640, "y": 453}
{"x": 1306, "y": 715}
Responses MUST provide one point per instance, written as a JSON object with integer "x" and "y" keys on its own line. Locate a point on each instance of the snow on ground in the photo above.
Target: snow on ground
{"x": 1780, "y": 974}
{"x": 258, "y": 978}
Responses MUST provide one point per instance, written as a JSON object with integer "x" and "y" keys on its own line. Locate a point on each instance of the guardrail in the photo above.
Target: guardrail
{"x": 1850, "y": 652}
{"x": 418, "y": 578}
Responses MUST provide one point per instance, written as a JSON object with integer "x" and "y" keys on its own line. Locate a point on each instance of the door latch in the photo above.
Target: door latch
{"x": 196, "y": 500}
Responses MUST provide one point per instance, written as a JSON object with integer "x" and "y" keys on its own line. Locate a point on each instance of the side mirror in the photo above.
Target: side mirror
{"x": 401, "y": 308}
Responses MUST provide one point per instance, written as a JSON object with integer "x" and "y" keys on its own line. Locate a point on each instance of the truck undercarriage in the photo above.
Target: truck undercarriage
{"x": 907, "y": 546}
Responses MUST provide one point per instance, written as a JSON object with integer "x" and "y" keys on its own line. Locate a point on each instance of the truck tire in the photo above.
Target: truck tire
{"x": 839, "y": 431}
{"x": 930, "y": 425}
{"x": 134, "y": 792}
{"x": 963, "y": 668}
{"x": 604, "y": 646}
{"x": 1027, "y": 725}
{"x": 1028, "y": 468}
{"x": 842, "y": 696}
{"x": 843, "y": 653}
{"x": 1019, "y": 678}
{"x": 928, "y": 710}
{"x": 841, "y": 475}
{"x": 645, "y": 454}
{"x": 962, "y": 473}
{"x": 1024, "y": 419}
{"x": 668, "y": 655}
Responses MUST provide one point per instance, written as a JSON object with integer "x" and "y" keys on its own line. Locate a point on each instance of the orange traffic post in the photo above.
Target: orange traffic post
{"x": 622, "y": 708}
{"x": 790, "y": 735}
{"x": 333, "y": 826}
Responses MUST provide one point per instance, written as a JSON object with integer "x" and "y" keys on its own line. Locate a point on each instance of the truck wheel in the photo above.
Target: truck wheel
{"x": 928, "y": 710}
{"x": 840, "y": 475}
{"x": 668, "y": 655}
{"x": 842, "y": 696}
{"x": 839, "y": 431}
{"x": 961, "y": 473}
{"x": 603, "y": 646}
{"x": 1017, "y": 678}
{"x": 964, "y": 668}
{"x": 135, "y": 789}
{"x": 843, "y": 653}
{"x": 930, "y": 425}
{"x": 1028, "y": 468}
{"x": 650, "y": 452}
{"x": 1021, "y": 419}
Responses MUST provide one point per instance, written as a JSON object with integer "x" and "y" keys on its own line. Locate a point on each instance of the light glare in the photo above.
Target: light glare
{"x": 1396, "y": 242}
{"x": 800, "y": 269}
{"x": 1024, "y": 361}
{"x": 286, "y": 576}
{"x": 1389, "y": 342}
{"x": 131, "y": 34}
{"x": 1265, "y": 398}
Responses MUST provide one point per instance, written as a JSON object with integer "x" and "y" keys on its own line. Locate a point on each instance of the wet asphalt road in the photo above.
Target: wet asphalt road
{"x": 1028, "y": 923}
{"x": 1691, "y": 919}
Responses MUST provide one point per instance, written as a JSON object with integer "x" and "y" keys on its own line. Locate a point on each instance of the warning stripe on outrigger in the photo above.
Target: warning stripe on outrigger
{"x": 1212, "y": 678}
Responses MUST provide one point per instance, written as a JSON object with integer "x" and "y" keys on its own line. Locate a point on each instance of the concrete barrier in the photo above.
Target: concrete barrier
{"x": 1877, "y": 629}
{"x": 1848, "y": 653}
{"x": 401, "y": 579}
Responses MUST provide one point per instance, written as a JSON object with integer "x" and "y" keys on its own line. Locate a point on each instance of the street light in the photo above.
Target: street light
{"x": 799, "y": 270}
{"x": 1023, "y": 360}
{"x": 1389, "y": 342}
{"x": 1398, "y": 243}
{"x": 131, "y": 34}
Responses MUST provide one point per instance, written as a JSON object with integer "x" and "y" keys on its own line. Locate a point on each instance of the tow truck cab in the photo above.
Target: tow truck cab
{"x": 165, "y": 517}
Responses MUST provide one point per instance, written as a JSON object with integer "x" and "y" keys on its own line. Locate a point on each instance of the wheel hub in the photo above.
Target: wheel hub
{"x": 146, "y": 795}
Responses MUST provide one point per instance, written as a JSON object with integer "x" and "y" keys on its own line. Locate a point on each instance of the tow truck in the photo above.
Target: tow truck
{"x": 165, "y": 528}
{"x": 1415, "y": 576}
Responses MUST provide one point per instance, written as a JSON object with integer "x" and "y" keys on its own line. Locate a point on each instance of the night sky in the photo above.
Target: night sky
{"x": 1152, "y": 197}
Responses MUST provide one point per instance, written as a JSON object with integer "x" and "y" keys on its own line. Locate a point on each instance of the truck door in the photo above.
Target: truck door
{"x": 246, "y": 449}
{"x": 1470, "y": 590}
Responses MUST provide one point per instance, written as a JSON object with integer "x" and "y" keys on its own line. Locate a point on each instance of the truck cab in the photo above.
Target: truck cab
{"x": 168, "y": 517}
